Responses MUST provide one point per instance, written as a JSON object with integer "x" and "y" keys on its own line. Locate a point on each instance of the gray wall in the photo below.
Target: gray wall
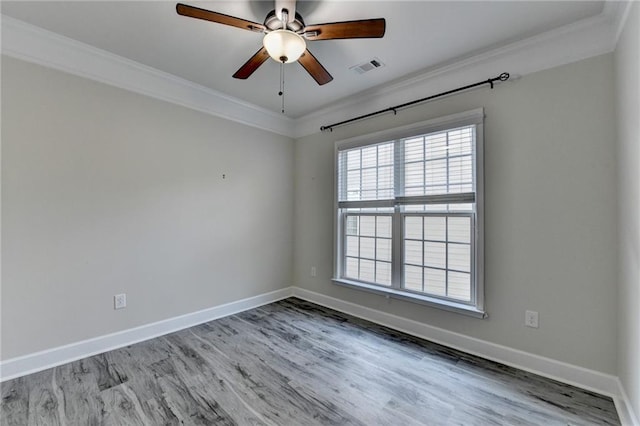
{"x": 550, "y": 214}
{"x": 627, "y": 65}
{"x": 105, "y": 191}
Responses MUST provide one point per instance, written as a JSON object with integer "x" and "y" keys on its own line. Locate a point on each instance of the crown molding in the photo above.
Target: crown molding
{"x": 33, "y": 44}
{"x": 618, "y": 12}
{"x": 570, "y": 43}
{"x": 579, "y": 40}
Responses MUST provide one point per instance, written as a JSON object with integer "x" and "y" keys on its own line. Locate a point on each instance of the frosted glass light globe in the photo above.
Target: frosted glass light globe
{"x": 284, "y": 45}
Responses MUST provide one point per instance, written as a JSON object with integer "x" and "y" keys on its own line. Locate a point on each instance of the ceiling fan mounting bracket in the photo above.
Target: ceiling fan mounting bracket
{"x": 272, "y": 22}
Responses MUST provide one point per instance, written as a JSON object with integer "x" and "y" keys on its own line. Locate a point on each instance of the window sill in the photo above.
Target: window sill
{"x": 446, "y": 305}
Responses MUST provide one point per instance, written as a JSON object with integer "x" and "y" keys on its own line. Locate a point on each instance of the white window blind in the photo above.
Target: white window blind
{"x": 408, "y": 213}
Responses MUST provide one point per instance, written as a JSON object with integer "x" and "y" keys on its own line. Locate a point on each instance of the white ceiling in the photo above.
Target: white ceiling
{"x": 421, "y": 35}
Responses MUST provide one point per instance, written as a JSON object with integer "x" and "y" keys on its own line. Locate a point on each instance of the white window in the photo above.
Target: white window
{"x": 409, "y": 212}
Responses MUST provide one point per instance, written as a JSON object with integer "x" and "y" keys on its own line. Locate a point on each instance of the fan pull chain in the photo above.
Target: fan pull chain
{"x": 281, "y": 93}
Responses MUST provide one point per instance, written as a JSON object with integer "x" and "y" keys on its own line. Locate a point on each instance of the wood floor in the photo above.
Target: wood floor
{"x": 294, "y": 363}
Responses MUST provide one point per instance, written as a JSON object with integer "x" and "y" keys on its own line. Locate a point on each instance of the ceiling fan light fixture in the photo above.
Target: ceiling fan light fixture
{"x": 284, "y": 45}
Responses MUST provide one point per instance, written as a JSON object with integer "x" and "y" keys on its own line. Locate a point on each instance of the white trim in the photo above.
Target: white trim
{"x": 33, "y": 44}
{"x": 474, "y": 116}
{"x": 444, "y": 304}
{"x": 571, "y": 43}
{"x": 584, "y": 378}
{"x": 624, "y": 407}
{"x": 20, "y": 366}
{"x": 619, "y": 11}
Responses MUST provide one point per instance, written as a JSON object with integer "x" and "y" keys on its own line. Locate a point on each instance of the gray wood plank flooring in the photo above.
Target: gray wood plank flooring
{"x": 294, "y": 363}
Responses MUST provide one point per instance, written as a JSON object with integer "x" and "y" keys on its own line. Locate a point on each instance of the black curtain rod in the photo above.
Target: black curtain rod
{"x": 502, "y": 77}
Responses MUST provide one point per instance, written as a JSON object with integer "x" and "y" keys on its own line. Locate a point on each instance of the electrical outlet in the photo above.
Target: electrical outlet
{"x": 531, "y": 319}
{"x": 313, "y": 271}
{"x": 120, "y": 301}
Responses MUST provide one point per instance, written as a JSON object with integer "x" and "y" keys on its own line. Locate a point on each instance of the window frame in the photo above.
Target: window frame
{"x": 475, "y": 307}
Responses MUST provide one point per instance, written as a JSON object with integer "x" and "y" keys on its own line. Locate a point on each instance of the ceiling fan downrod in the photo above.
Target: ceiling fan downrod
{"x": 285, "y": 11}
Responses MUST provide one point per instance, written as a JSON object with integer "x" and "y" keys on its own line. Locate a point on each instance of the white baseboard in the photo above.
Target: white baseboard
{"x": 20, "y": 366}
{"x": 624, "y": 407}
{"x": 595, "y": 381}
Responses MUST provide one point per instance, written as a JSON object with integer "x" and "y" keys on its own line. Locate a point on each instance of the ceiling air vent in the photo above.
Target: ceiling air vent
{"x": 367, "y": 66}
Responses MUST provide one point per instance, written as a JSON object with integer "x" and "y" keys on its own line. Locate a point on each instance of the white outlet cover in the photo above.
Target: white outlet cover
{"x": 120, "y": 301}
{"x": 531, "y": 319}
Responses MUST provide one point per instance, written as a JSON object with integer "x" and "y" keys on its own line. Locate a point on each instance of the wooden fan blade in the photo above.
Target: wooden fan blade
{"x": 366, "y": 28}
{"x": 220, "y": 18}
{"x": 252, "y": 64}
{"x": 314, "y": 68}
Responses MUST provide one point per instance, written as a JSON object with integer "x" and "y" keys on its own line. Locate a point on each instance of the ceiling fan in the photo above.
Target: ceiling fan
{"x": 286, "y": 35}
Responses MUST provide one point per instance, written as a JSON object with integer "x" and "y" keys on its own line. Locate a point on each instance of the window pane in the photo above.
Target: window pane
{"x": 367, "y": 270}
{"x": 436, "y": 207}
{"x": 434, "y": 190}
{"x": 385, "y": 154}
{"x": 460, "y": 169}
{"x": 383, "y": 226}
{"x": 413, "y": 150}
{"x": 368, "y": 195}
{"x": 383, "y": 273}
{"x": 459, "y": 257}
{"x": 385, "y": 182}
{"x": 446, "y": 254}
{"x": 352, "y": 246}
{"x": 353, "y": 160}
{"x": 351, "y": 268}
{"x": 459, "y": 229}
{"x": 461, "y": 207}
{"x": 367, "y": 247}
{"x": 369, "y": 173}
{"x": 369, "y": 179}
{"x": 353, "y": 180}
{"x": 460, "y": 141}
{"x": 368, "y": 226}
{"x": 459, "y": 286}
{"x": 435, "y": 254}
{"x": 413, "y": 278}
{"x": 413, "y": 252}
{"x": 436, "y": 146}
{"x": 368, "y": 254}
{"x": 435, "y": 228}
{"x": 353, "y": 195}
{"x": 352, "y": 225}
{"x": 464, "y": 187}
{"x": 413, "y": 227}
{"x": 435, "y": 281}
{"x": 435, "y": 172}
{"x": 369, "y": 156}
{"x": 439, "y": 163}
{"x": 414, "y": 175}
{"x": 383, "y": 249}
{"x": 467, "y": 207}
